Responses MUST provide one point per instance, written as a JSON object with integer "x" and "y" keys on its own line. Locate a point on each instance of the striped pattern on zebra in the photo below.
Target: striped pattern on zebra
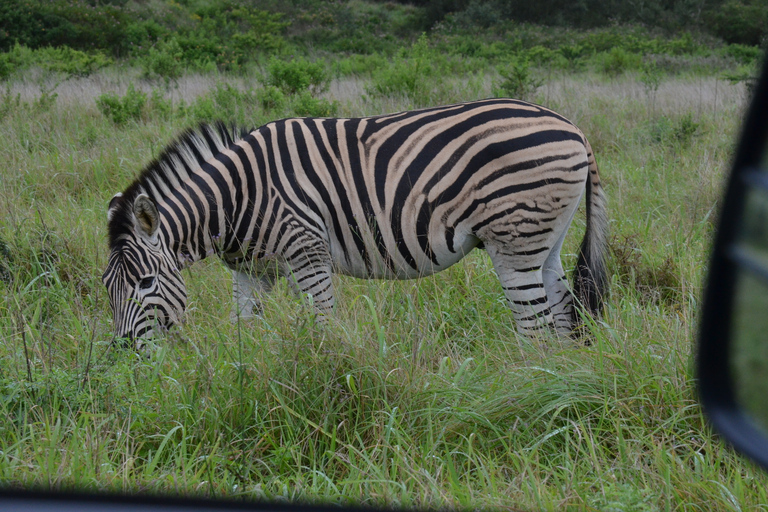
{"x": 395, "y": 196}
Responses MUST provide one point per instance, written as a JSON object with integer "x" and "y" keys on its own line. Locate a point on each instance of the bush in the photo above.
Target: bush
{"x": 306, "y": 105}
{"x": 121, "y": 110}
{"x": 230, "y": 34}
{"x": 296, "y": 76}
{"x": 73, "y": 23}
{"x": 159, "y": 105}
{"x": 743, "y": 54}
{"x": 407, "y": 73}
{"x": 163, "y": 61}
{"x": 62, "y": 60}
{"x": 617, "y": 61}
{"x": 271, "y": 98}
{"x": 358, "y": 65}
{"x": 740, "y": 22}
{"x": 743, "y": 74}
{"x": 7, "y": 66}
{"x": 224, "y": 102}
{"x": 517, "y": 81}
{"x": 9, "y": 102}
{"x": 679, "y": 132}
{"x": 69, "y": 61}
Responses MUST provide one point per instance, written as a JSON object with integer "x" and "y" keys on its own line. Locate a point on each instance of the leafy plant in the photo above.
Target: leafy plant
{"x": 164, "y": 61}
{"x": 740, "y": 22}
{"x": 122, "y": 109}
{"x": 572, "y": 53}
{"x": 408, "y": 74}
{"x": 305, "y": 104}
{"x": 159, "y": 105}
{"x": 618, "y": 60}
{"x": 743, "y": 74}
{"x": 743, "y": 54}
{"x": 271, "y": 98}
{"x": 650, "y": 77}
{"x": 62, "y": 60}
{"x": 296, "y": 75}
{"x": 517, "y": 80}
{"x": 679, "y": 132}
{"x": 9, "y": 102}
{"x": 47, "y": 98}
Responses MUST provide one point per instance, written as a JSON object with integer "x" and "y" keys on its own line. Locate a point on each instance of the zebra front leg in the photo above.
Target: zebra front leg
{"x": 310, "y": 275}
{"x": 524, "y": 288}
{"x": 247, "y": 290}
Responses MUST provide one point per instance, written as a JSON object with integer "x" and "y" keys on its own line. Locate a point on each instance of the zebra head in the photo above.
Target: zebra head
{"x": 146, "y": 290}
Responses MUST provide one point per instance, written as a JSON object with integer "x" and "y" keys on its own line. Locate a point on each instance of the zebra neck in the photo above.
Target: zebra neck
{"x": 191, "y": 240}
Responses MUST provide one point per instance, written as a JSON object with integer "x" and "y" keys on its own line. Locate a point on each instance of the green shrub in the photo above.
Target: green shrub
{"x": 74, "y": 23}
{"x": 9, "y": 102}
{"x": 230, "y": 34}
{"x": 517, "y": 80}
{"x": 46, "y": 100}
{"x": 231, "y": 101}
{"x": 122, "y": 110}
{"x": 70, "y": 61}
{"x": 224, "y": 102}
{"x": 160, "y": 106}
{"x": 306, "y": 105}
{"x": 743, "y": 54}
{"x": 572, "y": 53}
{"x": 202, "y": 109}
{"x": 683, "y": 45}
{"x": 407, "y": 74}
{"x": 357, "y": 65}
{"x": 7, "y": 66}
{"x": 297, "y": 75}
{"x": 163, "y": 61}
{"x": 679, "y": 132}
{"x": 617, "y": 61}
{"x": 650, "y": 77}
{"x": 739, "y": 22}
{"x": 271, "y": 98}
{"x": 743, "y": 74}
{"x": 62, "y": 60}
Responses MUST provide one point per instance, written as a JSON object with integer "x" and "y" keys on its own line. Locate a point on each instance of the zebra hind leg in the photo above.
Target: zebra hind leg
{"x": 561, "y": 299}
{"x": 525, "y": 290}
{"x": 558, "y": 289}
{"x": 558, "y": 292}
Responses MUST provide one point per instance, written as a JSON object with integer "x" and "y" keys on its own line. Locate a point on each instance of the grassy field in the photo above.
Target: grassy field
{"x": 418, "y": 393}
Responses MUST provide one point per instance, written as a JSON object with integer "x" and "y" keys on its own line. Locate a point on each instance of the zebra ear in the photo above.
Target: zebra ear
{"x": 112, "y": 208}
{"x": 146, "y": 214}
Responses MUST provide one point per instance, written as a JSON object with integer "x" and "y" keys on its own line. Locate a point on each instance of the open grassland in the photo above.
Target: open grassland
{"x": 418, "y": 393}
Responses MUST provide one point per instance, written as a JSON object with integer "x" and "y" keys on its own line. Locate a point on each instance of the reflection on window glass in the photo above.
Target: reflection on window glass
{"x": 753, "y": 229}
{"x": 750, "y": 345}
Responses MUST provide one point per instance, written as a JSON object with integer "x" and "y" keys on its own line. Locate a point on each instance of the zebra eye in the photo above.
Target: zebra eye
{"x": 147, "y": 282}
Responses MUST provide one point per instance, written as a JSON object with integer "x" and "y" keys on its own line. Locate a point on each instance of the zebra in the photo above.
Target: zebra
{"x": 396, "y": 196}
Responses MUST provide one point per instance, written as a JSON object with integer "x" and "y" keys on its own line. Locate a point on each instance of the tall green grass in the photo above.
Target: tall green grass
{"x": 417, "y": 393}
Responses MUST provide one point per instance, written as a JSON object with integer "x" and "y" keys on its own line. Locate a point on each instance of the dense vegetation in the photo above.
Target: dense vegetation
{"x": 418, "y": 393}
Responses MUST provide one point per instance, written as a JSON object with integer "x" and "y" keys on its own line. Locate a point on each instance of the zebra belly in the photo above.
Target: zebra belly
{"x": 394, "y": 268}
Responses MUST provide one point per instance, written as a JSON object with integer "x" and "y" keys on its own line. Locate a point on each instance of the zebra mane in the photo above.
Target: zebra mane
{"x": 184, "y": 155}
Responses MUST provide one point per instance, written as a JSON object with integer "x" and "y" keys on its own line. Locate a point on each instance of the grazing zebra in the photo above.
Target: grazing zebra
{"x": 396, "y": 196}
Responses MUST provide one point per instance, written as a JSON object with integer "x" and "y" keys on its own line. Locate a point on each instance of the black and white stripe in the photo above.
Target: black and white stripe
{"x": 396, "y": 196}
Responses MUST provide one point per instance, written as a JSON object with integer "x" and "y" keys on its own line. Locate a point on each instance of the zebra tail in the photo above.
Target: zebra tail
{"x": 590, "y": 283}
